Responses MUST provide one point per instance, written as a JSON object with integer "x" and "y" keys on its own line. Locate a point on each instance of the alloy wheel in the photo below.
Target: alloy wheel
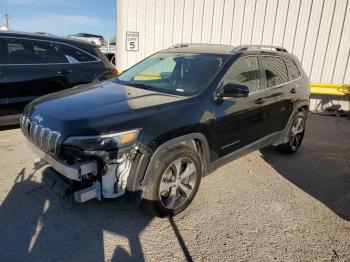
{"x": 297, "y": 133}
{"x": 177, "y": 183}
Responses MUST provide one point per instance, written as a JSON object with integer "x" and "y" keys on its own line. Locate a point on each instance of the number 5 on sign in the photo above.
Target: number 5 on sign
{"x": 132, "y": 41}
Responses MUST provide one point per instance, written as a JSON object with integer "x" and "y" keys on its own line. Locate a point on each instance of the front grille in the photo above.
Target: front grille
{"x": 43, "y": 138}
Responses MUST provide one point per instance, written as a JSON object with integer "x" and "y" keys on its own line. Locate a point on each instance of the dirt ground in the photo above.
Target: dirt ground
{"x": 262, "y": 207}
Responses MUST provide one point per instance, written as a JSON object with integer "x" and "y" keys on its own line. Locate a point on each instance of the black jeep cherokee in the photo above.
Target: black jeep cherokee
{"x": 153, "y": 132}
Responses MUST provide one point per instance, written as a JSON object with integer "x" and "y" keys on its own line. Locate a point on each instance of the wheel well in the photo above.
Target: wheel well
{"x": 195, "y": 140}
{"x": 197, "y": 145}
{"x": 304, "y": 108}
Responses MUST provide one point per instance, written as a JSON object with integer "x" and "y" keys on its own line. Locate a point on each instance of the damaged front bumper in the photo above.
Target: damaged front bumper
{"x": 88, "y": 181}
{"x": 74, "y": 172}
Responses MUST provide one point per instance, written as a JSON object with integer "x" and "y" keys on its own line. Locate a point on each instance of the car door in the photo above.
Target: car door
{"x": 278, "y": 104}
{"x": 238, "y": 121}
{"x": 3, "y": 96}
{"x": 33, "y": 69}
{"x": 7, "y": 115}
{"x": 83, "y": 67}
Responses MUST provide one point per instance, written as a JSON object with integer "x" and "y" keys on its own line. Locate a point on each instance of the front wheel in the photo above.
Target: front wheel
{"x": 174, "y": 181}
{"x": 295, "y": 133}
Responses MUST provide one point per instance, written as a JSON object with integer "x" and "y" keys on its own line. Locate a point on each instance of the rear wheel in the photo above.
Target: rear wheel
{"x": 174, "y": 181}
{"x": 295, "y": 133}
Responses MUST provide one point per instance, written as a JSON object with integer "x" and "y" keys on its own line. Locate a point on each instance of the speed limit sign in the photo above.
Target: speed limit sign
{"x": 132, "y": 41}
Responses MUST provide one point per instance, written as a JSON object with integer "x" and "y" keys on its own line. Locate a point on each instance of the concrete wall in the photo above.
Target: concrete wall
{"x": 317, "y": 31}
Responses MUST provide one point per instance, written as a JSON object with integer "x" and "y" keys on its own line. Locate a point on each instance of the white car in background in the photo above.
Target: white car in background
{"x": 95, "y": 39}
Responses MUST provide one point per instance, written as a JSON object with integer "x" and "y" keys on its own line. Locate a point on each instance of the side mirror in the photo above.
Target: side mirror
{"x": 234, "y": 90}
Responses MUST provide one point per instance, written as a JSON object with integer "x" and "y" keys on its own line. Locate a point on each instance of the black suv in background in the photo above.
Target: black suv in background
{"x": 32, "y": 65}
{"x": 157, "y": 129}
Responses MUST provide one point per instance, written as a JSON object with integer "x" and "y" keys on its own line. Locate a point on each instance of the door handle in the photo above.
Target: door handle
{"x": 64, "y": 72}
{"x": 293, "y": 90}
{"x": 260, "y": 101}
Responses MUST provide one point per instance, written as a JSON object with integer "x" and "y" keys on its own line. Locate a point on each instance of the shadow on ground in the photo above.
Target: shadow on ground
{"x": 38, "y": 226}
{"x": 4, "y": 128}
{"x": 321, "y": 167}
{"x": 35, "y": 225}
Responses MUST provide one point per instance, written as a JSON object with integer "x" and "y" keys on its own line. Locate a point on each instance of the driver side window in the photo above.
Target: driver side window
{"x": 245, "y": 71}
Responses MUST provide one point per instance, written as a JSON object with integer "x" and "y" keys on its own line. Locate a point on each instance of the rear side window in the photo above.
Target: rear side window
{"x": 245, "y": 71}
{"x": 293, "y": 70}
{"x": 75, "y": 55}
{"x": 101, "y": 56}
{"x": 275, "y": 70}
{"x": 26, "y": 51}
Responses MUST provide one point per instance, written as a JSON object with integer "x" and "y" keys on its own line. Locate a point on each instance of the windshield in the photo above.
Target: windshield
{"x": 175, "y": 73}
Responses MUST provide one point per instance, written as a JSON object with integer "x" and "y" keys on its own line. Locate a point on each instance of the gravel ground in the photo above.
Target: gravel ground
{"x": 262, "y": 207}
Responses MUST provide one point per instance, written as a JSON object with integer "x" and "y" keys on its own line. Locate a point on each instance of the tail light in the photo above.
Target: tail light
{"x": 114, "y": 72}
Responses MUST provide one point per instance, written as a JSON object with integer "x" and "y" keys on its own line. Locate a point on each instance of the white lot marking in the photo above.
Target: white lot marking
{"x": 5, "y": 140}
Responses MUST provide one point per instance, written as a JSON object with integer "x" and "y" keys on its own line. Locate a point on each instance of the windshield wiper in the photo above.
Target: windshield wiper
{"x": 144, "y": 86}
{"x": 139, "y": 85}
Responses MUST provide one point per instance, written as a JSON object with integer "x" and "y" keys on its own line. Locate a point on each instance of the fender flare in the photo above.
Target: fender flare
{"x": 140, "y": 169}
{"x": 172, "y": 142}
{"x": 141, "y": 175}
{"x": 297, "y": 106}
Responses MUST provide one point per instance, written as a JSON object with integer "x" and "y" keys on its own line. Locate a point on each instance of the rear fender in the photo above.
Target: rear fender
{"x": 301, "y": 106}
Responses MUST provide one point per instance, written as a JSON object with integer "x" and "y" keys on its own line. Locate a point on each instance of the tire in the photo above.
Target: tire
{"x": 295, "y": 133}
{"x": 174, "y": 181}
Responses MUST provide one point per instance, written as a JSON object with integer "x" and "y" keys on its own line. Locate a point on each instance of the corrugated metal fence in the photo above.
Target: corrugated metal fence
{"x": 317, "y": 31}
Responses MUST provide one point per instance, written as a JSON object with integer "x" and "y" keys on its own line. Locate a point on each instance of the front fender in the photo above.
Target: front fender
{"x": 140, "y": 170}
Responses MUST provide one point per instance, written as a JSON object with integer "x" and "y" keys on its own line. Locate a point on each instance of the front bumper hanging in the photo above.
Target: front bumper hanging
{"x": 75, "y": 172}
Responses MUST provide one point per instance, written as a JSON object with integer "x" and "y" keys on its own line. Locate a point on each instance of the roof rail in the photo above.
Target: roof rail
{"x": 246, "y": 47}
{"x": 180, "y": 45}
{"x": 194, "y": 44}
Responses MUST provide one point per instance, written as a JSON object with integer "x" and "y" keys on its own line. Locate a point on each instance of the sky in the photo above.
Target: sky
{"x": 61, "y": 17}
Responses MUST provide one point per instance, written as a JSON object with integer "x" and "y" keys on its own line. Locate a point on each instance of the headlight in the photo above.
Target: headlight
{"x": 103, "y": 142}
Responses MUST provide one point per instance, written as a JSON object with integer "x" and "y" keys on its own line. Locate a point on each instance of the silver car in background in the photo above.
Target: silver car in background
{"x": 95, "y": 39}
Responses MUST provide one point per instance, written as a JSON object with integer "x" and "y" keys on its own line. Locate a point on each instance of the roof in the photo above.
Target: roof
{"x": 225, "y": 49}
{"x": 40, "y": 36}
{"x": 202, "y": 48}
